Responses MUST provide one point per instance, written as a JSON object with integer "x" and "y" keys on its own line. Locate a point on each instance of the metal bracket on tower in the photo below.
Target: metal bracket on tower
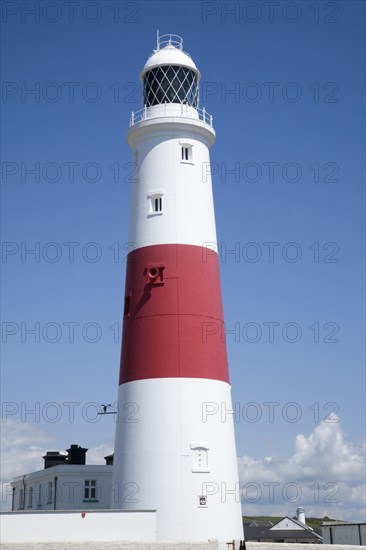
{"x": 154, "y": 274}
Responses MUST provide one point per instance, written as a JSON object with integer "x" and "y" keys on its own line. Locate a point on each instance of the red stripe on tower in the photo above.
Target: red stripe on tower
{"x": 173, "y": 321}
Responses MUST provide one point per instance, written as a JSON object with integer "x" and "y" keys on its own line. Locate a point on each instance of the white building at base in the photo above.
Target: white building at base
{"x": 65, "y": 483}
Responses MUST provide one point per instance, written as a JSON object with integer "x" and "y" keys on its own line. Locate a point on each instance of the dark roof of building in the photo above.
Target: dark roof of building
{"x": 260, "y": 524}
{"x": 340, "y": 522}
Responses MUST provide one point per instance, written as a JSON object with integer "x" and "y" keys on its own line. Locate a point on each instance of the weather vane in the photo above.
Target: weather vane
{"x": 105, "y": 409}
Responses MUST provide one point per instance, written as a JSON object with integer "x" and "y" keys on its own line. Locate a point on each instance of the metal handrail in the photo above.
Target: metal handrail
{"x": 169, "y": 40}
{"x": 143, "y": 114}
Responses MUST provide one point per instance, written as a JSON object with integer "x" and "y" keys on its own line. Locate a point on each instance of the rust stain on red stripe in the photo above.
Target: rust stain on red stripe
{"x": 173, "y": 325}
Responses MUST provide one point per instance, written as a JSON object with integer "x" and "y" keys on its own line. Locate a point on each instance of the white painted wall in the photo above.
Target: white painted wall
{"x": 111, "y": 525}
{"x": 70, "y": 487}
{"x": 173, "y": 415}
{"x": 188, "y": 210}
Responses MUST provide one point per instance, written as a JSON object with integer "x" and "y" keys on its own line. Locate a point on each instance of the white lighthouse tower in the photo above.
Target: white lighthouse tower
{"x": 173, "y": 451}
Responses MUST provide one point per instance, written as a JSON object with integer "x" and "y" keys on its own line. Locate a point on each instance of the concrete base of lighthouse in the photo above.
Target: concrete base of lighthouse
{"x": 91, "y": 530}
{"x": 183, "y": 462}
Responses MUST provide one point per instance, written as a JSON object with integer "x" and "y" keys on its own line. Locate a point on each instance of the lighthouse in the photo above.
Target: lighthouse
{"x": 174, "y": 451}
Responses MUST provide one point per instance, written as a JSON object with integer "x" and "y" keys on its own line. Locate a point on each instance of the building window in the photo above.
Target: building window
{"x": 156, "y": 203}
{"x": 30, "y": 497}
{"x": 49, "y": 492}
{"x": 39, "y": 498}
{"x": 90, "y": 489}
{"x": 21, "y": 497}
{"x": 186, "y": 153}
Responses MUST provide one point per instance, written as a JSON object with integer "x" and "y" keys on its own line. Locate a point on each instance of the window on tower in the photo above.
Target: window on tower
{"x": 186, "y": 153}
{"x": 158, "y": 204}
{"x": 155, "y": 203}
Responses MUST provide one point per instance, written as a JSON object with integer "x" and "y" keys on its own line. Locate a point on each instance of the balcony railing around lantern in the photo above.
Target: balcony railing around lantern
{"x": 143, "y": 114}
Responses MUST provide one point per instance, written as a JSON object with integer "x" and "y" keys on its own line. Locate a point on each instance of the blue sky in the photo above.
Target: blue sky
{"x": 285, "y": 85}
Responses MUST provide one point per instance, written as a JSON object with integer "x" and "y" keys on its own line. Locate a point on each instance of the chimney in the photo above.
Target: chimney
{"x": 76, "y": 455}
{"x": 109, "y": 460}
{"x": 53, "y": 458}
{"x": 300, "y": 515}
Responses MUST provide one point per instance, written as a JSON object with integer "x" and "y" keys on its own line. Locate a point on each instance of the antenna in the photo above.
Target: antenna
{"x": 157, "y": 40}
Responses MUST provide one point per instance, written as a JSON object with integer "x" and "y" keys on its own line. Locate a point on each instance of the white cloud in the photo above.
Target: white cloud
{"x": 326, "y": 475}
{"x": 96, "y": 455}
{"x": 22, "y": 448}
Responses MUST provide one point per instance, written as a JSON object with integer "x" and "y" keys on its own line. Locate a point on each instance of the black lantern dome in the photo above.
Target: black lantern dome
{"x": 170, "y": 76}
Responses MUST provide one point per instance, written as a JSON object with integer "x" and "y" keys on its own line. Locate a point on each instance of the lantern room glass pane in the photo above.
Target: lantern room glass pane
{"x": 170, "y": 84}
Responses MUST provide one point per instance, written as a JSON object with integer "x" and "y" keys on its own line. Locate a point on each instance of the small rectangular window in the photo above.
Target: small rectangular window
{"x": 21, "y": 500}
{"x": 155, "y": 202}
{"x": 30, "y": 497}
{"x": 186, "y": 153}
{"x": 158, "y": 204}
{"x": 49, "y": 492}
{"x": 90, "y": 489}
